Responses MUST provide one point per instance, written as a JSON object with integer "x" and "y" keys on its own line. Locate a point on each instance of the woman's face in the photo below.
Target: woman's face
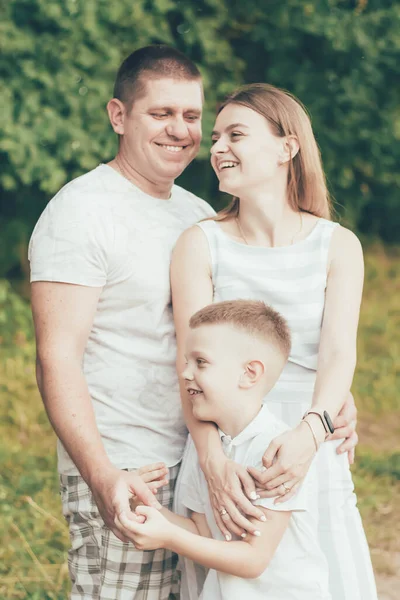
{"x": 245, "y": 154}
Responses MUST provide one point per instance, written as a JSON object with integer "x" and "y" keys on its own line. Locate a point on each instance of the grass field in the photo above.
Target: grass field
{"x": 35, "y": 539}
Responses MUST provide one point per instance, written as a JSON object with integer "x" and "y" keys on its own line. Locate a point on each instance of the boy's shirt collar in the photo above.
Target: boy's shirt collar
{"x": 254, "y": 428}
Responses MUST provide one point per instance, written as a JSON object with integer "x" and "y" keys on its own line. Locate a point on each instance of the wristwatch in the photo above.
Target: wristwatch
{"x": 325, "y": 420}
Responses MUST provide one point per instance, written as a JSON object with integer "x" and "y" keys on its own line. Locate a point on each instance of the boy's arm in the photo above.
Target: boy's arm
{"x": 197, "y": 524}
{"x": 247, "y": 558}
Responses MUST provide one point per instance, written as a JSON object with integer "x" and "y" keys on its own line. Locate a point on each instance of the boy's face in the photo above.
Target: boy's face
{"x": 217, "y": 373}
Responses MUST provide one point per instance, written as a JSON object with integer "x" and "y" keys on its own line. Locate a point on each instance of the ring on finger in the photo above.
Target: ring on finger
{"x": 286, "y": 487}
{"x": 222, "y": 511}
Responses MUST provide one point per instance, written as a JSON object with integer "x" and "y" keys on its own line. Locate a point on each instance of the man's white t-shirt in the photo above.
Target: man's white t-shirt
{"x": 101, "y": 230}
{"x": 298, "y": 569}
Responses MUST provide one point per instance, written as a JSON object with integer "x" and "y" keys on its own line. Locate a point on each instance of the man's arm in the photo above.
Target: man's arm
{"x": 247, "y": 558}
{"x": 63, "y": 316}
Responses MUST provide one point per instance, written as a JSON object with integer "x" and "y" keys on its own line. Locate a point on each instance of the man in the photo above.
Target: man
{"x": 105, "y": 338}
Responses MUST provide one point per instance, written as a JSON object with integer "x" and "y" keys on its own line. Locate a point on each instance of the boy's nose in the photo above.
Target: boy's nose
{"x": 187, "y": 375}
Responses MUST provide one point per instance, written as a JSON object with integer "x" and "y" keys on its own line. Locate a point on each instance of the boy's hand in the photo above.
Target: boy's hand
{"x": 112, "y": 490}
{"x": 154, "y": 533}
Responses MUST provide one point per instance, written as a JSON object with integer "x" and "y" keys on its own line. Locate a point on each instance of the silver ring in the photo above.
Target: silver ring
{"x": 286, "y": 487}
{"x": 222, "y": 511}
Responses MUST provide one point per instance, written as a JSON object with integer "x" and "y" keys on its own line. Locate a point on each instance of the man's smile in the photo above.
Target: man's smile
{"x": 172, "y": 147}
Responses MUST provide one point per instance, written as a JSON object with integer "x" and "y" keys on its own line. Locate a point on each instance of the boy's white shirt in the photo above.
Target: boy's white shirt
{"x": 298, "y": 569}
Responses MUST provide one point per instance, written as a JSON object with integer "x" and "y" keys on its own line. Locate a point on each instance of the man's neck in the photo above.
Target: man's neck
{"x": 160, "y": 190}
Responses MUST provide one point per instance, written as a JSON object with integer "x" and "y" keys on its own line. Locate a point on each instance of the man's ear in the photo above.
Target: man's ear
{"x": 254, "y": 370}
{"x": 290, "y": 147}
{"x": 116, "y": 113}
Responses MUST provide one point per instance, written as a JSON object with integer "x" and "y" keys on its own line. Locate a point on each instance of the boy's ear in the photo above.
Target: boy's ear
{"x": 254, "y": 370}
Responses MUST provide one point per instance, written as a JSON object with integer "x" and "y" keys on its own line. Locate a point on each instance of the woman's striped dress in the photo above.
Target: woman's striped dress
{"x": 292, "y": 279}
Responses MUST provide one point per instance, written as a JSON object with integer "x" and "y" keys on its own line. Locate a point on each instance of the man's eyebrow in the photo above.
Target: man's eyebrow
{"x": 196, "y": 111}
{"x": 230, "y": 127}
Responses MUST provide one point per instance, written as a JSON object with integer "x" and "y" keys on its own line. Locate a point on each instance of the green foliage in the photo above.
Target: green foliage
{"x": 59, "y": 59}
{"x": 382, "y": 464}
{"x": 15, "y": 321}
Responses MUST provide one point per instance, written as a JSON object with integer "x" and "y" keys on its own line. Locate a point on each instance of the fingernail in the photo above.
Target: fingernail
{"x": 253, "y": 496}
{"x": 228, "y": 537}
{"x": 257, "y": 533}
{"x": 263, "y": 468}
{"x": 243, "y": 535}
{"x": 263, "y": 518}
{"x": 258, "y": 497}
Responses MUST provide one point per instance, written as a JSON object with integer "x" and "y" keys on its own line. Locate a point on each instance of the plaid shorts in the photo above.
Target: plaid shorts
{"x": 104, "y": 568}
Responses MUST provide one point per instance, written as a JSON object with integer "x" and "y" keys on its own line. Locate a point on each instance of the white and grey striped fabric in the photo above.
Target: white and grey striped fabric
{"x": 292, "y": 279}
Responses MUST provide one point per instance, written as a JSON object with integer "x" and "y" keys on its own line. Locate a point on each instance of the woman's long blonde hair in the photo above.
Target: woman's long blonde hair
{"x": 307, "y": 189}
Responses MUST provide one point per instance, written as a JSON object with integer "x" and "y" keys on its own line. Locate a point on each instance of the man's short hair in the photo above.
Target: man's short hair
{"x": 151, "y": 62}
{"x": 252, "y": 316}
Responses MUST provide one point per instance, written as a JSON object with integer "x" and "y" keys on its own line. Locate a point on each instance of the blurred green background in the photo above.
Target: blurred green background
{"x": 57, "y": 65}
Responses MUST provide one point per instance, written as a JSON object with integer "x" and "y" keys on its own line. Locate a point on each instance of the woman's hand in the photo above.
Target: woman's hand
{"x": 231, "y": 488}
{"x": 345, "y": 427}
{"x": 286, "y": 462}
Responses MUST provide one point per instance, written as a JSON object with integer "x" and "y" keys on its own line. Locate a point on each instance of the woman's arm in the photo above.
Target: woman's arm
{"x": 337, "y": 353}
{"x": 192, "y": 289}
{"x": 247, "y": 558}
{"x": 336, "y": 363}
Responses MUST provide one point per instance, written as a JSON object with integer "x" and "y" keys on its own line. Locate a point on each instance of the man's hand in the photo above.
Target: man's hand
{"x": 112, "y": 489}
{"x": 286, "y": 462}
{"x": 231, "y": 488}
{"x": 154, "y": 475}
{"x": 345, "y": 427}
{"x": 152, "y": 533}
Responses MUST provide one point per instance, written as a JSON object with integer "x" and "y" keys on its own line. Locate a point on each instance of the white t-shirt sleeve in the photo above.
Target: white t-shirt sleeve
{"x": 192, "y": 492}
{"x": 71, "y": 241}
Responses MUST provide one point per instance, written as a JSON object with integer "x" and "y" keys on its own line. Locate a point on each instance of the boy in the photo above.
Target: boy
{"x": 235, "y": 353}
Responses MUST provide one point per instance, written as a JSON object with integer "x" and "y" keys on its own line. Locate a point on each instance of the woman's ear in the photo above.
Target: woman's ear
{"x": 290, "y": 147}
{"x": 116, "y": 113}
{"x": 254, "y": 370}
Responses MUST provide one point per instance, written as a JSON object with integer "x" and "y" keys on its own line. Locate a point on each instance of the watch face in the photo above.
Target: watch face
{"x": 328, "y": 421}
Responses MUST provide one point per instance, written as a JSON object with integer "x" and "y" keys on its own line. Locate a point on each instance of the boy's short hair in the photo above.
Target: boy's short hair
{"x": 253, "y": 316}
{"x": 151, "y": 62}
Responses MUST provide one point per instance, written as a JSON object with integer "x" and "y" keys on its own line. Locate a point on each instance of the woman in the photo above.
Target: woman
{"x": 275, "y": 242}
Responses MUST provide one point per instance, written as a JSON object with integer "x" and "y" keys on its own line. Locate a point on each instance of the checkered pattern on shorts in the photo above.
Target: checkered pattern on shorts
{"x": 104, "y": 568}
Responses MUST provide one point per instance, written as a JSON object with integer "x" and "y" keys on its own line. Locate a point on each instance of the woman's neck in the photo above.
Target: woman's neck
{"x": 266, "y": 219}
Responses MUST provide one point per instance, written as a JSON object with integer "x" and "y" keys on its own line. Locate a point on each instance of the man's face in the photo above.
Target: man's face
{"x": 162, "y": 132}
